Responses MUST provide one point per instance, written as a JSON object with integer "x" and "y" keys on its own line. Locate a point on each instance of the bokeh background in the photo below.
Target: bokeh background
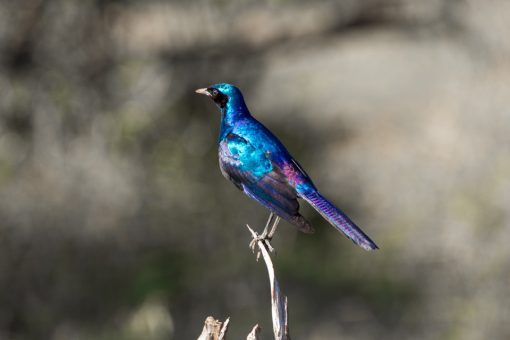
{"x": 115, "y": 222}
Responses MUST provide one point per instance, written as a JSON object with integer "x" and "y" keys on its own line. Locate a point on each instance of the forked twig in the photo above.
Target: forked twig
{"x": 216, "y": 330}
{"x": 278, "y": 300}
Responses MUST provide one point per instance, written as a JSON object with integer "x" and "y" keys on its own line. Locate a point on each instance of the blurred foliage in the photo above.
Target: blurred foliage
{"x": 116, "y": 221}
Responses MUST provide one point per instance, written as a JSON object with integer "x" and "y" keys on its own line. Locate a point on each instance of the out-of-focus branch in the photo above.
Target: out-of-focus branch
{"x": 254, "y": 334}
{"x": 214, "y": 329}
{"x": 278, "y": 300}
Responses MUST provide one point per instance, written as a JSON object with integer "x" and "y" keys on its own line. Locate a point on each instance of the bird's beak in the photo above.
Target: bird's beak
{"x": 203, "y": 91}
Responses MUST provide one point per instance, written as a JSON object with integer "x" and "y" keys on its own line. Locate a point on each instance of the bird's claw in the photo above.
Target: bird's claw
{"x": 265, "y": 239}
{"x": 266, "y": 236}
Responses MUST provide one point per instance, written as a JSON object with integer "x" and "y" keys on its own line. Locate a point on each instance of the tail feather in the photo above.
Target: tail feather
{"x": 338, "y": 219}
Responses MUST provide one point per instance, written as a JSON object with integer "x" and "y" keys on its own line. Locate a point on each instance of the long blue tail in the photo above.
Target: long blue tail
{"x": 338, "y": 219}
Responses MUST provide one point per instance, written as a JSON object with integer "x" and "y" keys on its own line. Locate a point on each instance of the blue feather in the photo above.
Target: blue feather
{"x": 259, "y": 164}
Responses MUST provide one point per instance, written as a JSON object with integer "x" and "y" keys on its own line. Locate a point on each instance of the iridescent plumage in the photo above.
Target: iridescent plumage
{"x": 257, "y": 163}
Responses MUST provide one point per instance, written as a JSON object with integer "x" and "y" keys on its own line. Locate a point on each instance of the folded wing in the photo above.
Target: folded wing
{"x": 254, "y": 172}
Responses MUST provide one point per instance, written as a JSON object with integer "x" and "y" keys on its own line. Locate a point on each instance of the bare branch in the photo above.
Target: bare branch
{"x": 224, "y": 329}
{"x": 213, "y": 330}
{"x": 278, "y": 300}
{"x": 254, "y": 334}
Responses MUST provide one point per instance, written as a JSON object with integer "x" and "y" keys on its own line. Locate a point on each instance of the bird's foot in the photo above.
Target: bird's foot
{"x": 265, "y": 238}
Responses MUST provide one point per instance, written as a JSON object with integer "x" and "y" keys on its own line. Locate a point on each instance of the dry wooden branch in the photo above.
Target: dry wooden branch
{"x": 278, "y": 300}
{"x": 254, "y": 334}
{"x": 213, "y": 329}
{"x": 224, "y": 330}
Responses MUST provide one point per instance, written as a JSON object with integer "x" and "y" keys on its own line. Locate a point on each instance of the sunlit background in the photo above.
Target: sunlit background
{"x": 115, "y": 221}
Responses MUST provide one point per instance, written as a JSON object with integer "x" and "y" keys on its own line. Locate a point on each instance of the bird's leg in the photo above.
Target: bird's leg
{"x": 267, "y": 234}
{"x": 273, "y": 228}
{"x": 269, "y": 222}
{"x": 263, "y": 236}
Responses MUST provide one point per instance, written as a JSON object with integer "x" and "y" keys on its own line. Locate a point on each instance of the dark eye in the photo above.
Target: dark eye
{"x": 214, "y": 92}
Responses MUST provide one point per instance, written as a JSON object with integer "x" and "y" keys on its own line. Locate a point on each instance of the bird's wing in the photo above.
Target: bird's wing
{"x": 253, "y": 171}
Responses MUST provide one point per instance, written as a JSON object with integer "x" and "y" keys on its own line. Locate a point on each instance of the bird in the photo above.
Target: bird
{"x": 259, "y": 165}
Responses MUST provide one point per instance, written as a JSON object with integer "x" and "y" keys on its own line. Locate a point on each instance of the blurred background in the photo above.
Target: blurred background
{"x": 115, "y": 221}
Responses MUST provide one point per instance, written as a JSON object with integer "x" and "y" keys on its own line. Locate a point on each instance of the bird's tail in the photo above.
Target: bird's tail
{"x": 338, "y": 219}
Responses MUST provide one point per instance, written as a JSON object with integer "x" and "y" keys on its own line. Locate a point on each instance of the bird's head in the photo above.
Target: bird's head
{"x": 223, "y": 95}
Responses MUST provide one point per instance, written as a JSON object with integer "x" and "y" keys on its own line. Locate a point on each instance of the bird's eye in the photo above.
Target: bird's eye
{"x": 214, "y": 92}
